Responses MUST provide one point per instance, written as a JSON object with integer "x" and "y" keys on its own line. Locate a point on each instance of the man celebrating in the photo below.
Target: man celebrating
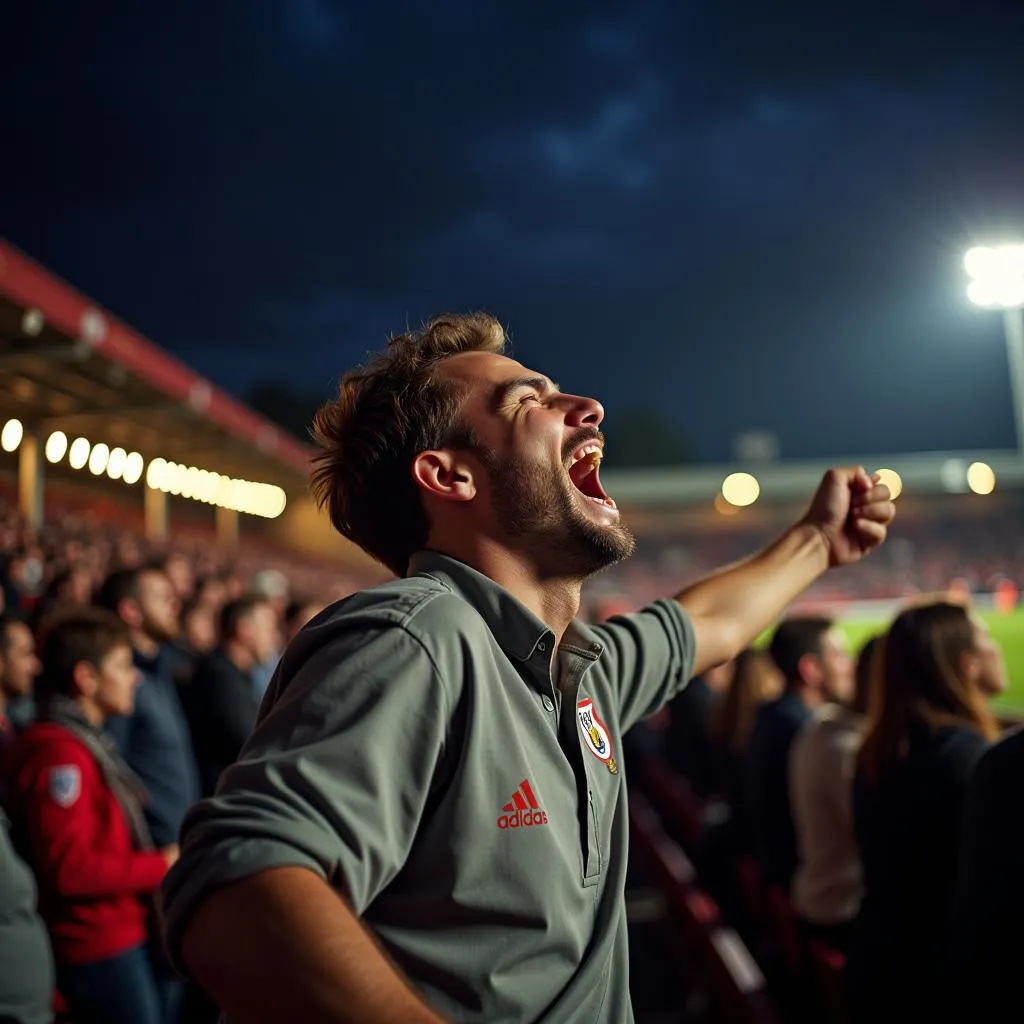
{"x": 429, "y": 822}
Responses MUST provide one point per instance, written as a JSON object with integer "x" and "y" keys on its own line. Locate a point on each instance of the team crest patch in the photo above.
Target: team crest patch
{"x": 595, "y": 734}
{"x": 65, "y": 784}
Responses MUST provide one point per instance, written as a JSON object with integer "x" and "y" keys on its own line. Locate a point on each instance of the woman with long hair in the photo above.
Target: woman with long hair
{"x": 755, "y": 680}
{"x": 928, "y": 724}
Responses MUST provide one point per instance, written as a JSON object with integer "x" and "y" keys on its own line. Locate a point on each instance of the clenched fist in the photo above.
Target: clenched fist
{"x": 853, "y": 511}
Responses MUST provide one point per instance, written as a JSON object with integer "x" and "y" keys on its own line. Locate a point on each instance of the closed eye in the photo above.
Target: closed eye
{"x": 532, "y": 387}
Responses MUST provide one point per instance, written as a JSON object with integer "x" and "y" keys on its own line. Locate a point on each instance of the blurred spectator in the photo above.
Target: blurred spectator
{"x": 199, "y": 628}
{"x": 178, "y": 569}
{"x": 755, "y": 681}
{"x": 154, "y": 739}
{"x": 689, "y": 745}
{"x": 811, "y": 654}
{"x": 828, "y": 883}
{"x": 221, "y": 703}
{"x": 988, "y": 907}
{"x": 211, "y": 592}
{"x": 273, "y": 586}
{"x": 25, "y": 576}
{"x": 928, "y": 725}
{"x": 26, "y": 968}
{"x": 19, "y": 668}
{"x": 728, "y": 831}
{"x": 71, "y": 588}
{"x": 77, "y": 811}
{"x": 298, "y": 613}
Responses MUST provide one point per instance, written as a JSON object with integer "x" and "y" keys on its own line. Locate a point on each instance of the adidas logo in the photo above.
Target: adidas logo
{"x": 522, "y": 810}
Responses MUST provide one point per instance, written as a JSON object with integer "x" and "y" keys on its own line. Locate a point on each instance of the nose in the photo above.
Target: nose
{"x": 581, "y": 411}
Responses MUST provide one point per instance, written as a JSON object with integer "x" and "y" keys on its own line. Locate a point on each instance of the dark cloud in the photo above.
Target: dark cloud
{"x": 731, "y": 210}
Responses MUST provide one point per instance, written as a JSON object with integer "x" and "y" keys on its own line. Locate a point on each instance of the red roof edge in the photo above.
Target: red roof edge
{"x": 27, "y": 283}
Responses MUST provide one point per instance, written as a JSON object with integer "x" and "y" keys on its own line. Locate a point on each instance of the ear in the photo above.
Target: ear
{"x": 85, "y": 678}
{"x": 129, "y": 613}
{"x": 970, "y": 666}
{"x": 809, "y": 667}
{"x": 444, "y": 475}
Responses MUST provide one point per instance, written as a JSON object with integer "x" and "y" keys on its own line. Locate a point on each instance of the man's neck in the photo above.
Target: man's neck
{"x": 239, "y": 656}
{"x": 555, "y": 601}
{"x": 91, "y": 711}
{"x": 145, "y": 644}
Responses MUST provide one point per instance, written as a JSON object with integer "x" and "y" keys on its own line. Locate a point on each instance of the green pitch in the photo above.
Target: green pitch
{"x": 1007, "y": 629}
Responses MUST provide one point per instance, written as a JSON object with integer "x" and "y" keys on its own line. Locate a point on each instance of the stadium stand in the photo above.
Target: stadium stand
{"x": 69, "y": 368}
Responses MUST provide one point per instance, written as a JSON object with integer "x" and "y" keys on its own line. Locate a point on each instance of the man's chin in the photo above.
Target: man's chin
{"x": 608, "y": 543}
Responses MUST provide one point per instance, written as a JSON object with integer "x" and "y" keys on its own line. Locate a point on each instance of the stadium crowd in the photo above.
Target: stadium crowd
{"x": 856, "y": 806}
{"x": 130, "y": 678}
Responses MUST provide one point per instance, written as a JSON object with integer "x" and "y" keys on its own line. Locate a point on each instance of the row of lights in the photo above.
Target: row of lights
{"x": 256, "y": 499}
{"x": 742, "y": 489}
{"x": 100, "y": 458}
{"x": 266, "y": 500}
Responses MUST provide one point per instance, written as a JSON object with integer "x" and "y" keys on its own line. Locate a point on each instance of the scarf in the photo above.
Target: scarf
{"x": 127, "y": 787}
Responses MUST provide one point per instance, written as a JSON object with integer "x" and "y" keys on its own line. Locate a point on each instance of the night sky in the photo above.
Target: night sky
{"x": 747, "y": 215}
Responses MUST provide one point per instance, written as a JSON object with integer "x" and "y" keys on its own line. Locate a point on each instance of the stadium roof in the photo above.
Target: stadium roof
{"x": 68, "y": 365}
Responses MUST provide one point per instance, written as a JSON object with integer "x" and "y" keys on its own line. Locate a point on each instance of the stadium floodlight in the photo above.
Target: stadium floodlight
{"x": 997, "y": 275}
{"x": 246, "y": 496}
{"x": 740, "y": 489}
{"x": 116, "y": 463}
{"x": 32, "y": 322}
{"x": 79, "y": 454}
{"x": 893, "y": 481}
{"x": 11, "y": 435}
{"x": 981, "y": 478}
{"x": 56, "y": 446}
{"x": 997, "y": 282}
{"x": 133, "y": 464}
{"x": 98, "y": 458}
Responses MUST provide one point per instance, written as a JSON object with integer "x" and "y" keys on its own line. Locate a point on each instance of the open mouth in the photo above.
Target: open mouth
{"x": 583, "y": 472}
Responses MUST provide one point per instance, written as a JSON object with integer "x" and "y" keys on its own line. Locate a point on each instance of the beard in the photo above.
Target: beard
{"x": 161, "y": 634}
{"x": 537, "y": 507}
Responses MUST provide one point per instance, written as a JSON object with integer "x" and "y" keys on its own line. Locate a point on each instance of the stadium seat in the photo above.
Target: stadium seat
{"x": 61, "y": 1013}
{"x": 748, "y": 875}
{"x": 786, "y": 932}
{"x": 828, "y": 965}
{"x": 680, "y": 808}
{"x": 715, "y": 952}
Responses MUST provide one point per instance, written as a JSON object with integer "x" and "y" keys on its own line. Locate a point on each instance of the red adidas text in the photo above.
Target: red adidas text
{"x": 522, "y": 811}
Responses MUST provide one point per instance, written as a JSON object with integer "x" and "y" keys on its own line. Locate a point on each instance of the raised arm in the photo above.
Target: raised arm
{"x": 848, "y": 517}
{"x": 283, "y": 945}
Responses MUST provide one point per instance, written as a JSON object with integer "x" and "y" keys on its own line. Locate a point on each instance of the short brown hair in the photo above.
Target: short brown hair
{"x": 74, "y": 636}
{"x": 386, "y": 413}
{"x": 793, "y": 639}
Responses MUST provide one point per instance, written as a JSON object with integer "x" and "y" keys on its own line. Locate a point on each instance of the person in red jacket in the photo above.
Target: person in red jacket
{"x": 77, "y": 814}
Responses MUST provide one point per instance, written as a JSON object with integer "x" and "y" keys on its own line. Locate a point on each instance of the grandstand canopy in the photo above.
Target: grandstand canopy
{"x": 67, "y": 365}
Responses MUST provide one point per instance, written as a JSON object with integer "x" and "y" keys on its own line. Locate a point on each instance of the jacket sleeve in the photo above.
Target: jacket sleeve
{"x": 64, "y": 819}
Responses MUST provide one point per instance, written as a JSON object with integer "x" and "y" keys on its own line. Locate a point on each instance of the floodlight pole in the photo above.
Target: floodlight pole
{"x": 1013, "y": 320}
